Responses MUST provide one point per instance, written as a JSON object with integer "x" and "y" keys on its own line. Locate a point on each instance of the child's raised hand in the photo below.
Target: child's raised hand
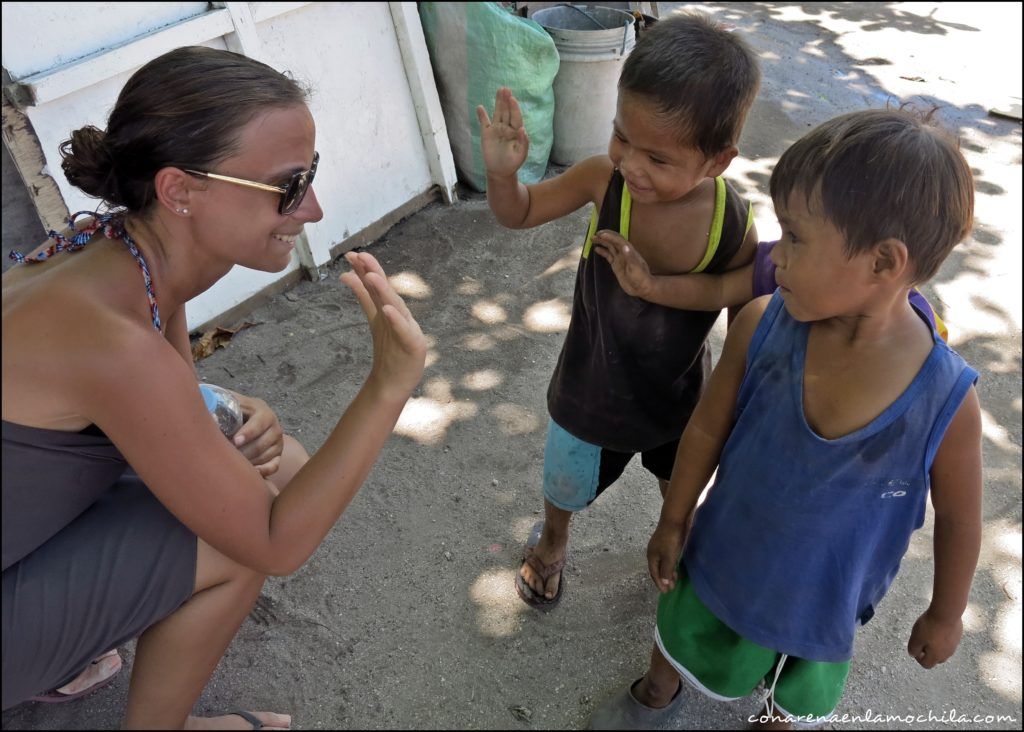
{"x": 399, "y": 346}
{"x": 663, "y": 552}
{"x": 503, "y": 140}
{"x": 630, "y": 268}
{"x": 934, "y": 640}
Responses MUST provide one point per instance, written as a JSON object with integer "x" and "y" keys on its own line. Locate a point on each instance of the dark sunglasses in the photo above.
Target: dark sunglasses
{"x": 291, "y": 194}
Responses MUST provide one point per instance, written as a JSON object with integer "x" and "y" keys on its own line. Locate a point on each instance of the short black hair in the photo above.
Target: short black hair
{"x": 880, "y": 174}
{"x": 702, "y": 78}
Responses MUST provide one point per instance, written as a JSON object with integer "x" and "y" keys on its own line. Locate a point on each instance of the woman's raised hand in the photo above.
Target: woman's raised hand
{"x": 399, "y": 346}
{"x": 503, "y": 140}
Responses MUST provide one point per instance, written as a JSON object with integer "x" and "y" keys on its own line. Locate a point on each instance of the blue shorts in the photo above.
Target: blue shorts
{"x": 576, "y": 472}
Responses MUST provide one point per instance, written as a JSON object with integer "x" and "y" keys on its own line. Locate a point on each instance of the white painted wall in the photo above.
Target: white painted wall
{"x": 43, "y": 36}
{"x": 367, "y": 132}
{"x": 373, "y": 147}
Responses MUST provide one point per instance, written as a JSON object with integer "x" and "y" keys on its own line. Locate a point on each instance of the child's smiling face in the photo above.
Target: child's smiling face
{"x": 656, "y": 167}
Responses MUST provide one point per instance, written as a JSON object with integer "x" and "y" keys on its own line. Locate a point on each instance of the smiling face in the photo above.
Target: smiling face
{"x": 242, "y": 224}
{"x": 816, "y": 278}
{"x": 656, "y": 167}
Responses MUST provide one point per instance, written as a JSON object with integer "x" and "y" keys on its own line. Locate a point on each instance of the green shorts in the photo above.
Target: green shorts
{"x": 724, "y": 666}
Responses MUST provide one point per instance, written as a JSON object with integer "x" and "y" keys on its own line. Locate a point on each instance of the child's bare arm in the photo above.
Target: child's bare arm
{"x": 701, "y": 447}
{"x": 956, "y": 497}
{"x": 504, "y": 144}
{"x": 687, "y": 291}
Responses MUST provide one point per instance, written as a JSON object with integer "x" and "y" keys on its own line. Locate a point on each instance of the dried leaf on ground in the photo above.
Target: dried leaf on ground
{"x": 215, "y": 338}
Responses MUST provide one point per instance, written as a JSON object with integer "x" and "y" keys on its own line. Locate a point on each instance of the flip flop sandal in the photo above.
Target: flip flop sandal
{"x": 249, "y": 717}
{"x": 57, "y": 697}
{"x": 544, "y": 571}
{"x": 623, "y": 711}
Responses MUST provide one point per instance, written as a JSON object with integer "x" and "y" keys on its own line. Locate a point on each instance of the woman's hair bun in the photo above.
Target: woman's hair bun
{"x": 89, "y": 165}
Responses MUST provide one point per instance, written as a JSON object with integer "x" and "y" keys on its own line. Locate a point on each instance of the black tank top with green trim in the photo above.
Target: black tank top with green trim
{"x": 631, "y": 371}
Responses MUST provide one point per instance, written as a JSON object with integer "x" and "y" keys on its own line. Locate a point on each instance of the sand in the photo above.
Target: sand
{"x": 406, "y": 616}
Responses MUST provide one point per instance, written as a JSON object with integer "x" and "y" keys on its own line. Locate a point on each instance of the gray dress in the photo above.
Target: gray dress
{"x": 90, "y": 557}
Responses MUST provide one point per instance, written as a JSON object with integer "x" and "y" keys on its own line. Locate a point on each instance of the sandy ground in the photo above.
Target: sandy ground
{"x": 406, "y": 616}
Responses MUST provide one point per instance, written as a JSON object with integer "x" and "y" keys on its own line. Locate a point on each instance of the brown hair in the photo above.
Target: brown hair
{"x": 880, "y": 174}
{"x": 184, "y": 108}
{"x": 702, "y": 78}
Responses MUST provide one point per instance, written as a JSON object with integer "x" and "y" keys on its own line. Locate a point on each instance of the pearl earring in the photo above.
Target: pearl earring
{"x": 183, "y": 211}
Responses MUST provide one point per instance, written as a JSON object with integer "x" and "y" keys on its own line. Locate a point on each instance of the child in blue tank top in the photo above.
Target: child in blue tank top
{"x": 835, "y": 410}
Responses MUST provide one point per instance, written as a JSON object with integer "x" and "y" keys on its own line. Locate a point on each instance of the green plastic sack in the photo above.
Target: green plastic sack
{"x": 476, "y": 48}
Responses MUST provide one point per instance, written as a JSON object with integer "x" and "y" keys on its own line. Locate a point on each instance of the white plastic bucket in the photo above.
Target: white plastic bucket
{"x": 592, "y": 44}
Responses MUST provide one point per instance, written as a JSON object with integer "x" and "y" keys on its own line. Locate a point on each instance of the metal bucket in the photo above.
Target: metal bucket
{"x": 592, "y": 44}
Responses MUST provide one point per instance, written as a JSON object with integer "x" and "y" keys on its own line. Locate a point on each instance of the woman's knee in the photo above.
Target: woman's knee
{"x": 214, "y": 568}
{"x": 293, "y": 457}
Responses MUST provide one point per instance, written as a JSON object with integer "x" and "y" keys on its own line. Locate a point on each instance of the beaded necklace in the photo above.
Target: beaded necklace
{"x": 112, "y": 227}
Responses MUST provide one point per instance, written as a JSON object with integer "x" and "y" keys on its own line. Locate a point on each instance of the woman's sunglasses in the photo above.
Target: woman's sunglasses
{"x": 291, "y": 194}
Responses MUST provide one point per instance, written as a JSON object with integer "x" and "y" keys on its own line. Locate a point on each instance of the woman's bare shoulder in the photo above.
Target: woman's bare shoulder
{"x": 62, "y": 337}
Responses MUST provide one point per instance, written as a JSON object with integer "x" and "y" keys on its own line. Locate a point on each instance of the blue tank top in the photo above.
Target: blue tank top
{"x": 800, "y": 537}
